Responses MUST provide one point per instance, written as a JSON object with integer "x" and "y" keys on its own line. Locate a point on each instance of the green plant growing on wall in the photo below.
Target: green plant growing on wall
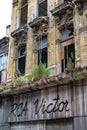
{"x": 27, "y": 77}
{"x": 39, "y": 71}
{"x": 20, "y": 80}
{"x": 34, "y": 72}
{"x": 75, "y": 74}
{"x": 3, "y": 85}
{"x": 44, "y": 71}
{"x": 70, "y": 65}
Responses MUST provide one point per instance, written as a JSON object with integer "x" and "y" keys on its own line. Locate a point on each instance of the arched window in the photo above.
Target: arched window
{"x": 24, "y": 12}
{"x": 21, "y": 60}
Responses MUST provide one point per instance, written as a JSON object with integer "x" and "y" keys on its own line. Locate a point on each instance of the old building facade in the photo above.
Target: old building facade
{"x": 50, "y": 32}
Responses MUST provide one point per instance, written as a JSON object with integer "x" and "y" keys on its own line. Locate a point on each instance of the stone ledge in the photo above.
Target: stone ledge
{"x": 19, "y": 30}
{"x": 38, "y": 21}
{"x": 59, "y": 9}
{"x": 61, "y": 79}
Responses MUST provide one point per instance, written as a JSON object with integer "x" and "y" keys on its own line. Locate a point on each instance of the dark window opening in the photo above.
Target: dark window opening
{"x": 42, "y": 7}
{"x": 24, "y": 12}
{"x": 21, "y": 60}
{"x": 62, "y": 65}
{"x": 69, "y": 52}
{"x": 42, "y": 50}
{"x": 42, "y": 56}
{"x": 67, "y": 33}
{"x": 24, "y": 2}
{"x": 42, "y": 43}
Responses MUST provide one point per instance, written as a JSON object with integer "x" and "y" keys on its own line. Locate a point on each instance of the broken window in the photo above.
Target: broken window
{"x": 42, "y": 7}
{"x": 21, "y": 60}
{"x": 42, "y": 51}
{"x": 69, "y": 52}
{"x": 42, "y": 56}
{"x": 66, "y": 33}
{"x": 24, "y": 12}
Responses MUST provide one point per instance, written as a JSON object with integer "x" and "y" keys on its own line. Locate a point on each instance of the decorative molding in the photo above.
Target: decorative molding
{"x": 79, "y": 6}
{"x": 15, "y": 2}
{"x": 59, "y": 9}
{"x": 21, "y": 40}
{"x": 20, "y": 36}
{"x": 63, "y": 15}
{"x": 40, "y": 31}
{"x": 83, "y": 29}
{"x": 39, "y": 27}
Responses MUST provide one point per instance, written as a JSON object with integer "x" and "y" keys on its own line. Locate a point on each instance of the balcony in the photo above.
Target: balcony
{"x": 39, "y": 26}
{"x": 38, "y": 21}
{"x": 63, "y": 15}
{"x": 61, "y": 8}
{"x": 19, "y": 31}
{"x": 20, "y": 35}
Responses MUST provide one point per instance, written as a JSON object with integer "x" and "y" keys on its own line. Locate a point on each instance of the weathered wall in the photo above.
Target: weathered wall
{"x": 55, "y": 50}
{"x": 37, "y": 105}
{"x": 57, "y": 102}
{"x": 80, "y": 28}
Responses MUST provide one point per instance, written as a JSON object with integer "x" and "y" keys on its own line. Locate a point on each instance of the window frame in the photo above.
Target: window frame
{"x": 38, "y": 4}
{"x": 66, "y": 57}
{"x": 21, "y": 9}
{"x": 18, "y": 57}
{"x": 65, "y": 33}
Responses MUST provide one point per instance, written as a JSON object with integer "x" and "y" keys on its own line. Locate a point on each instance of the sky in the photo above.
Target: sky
{"x": 5, "y": 16}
